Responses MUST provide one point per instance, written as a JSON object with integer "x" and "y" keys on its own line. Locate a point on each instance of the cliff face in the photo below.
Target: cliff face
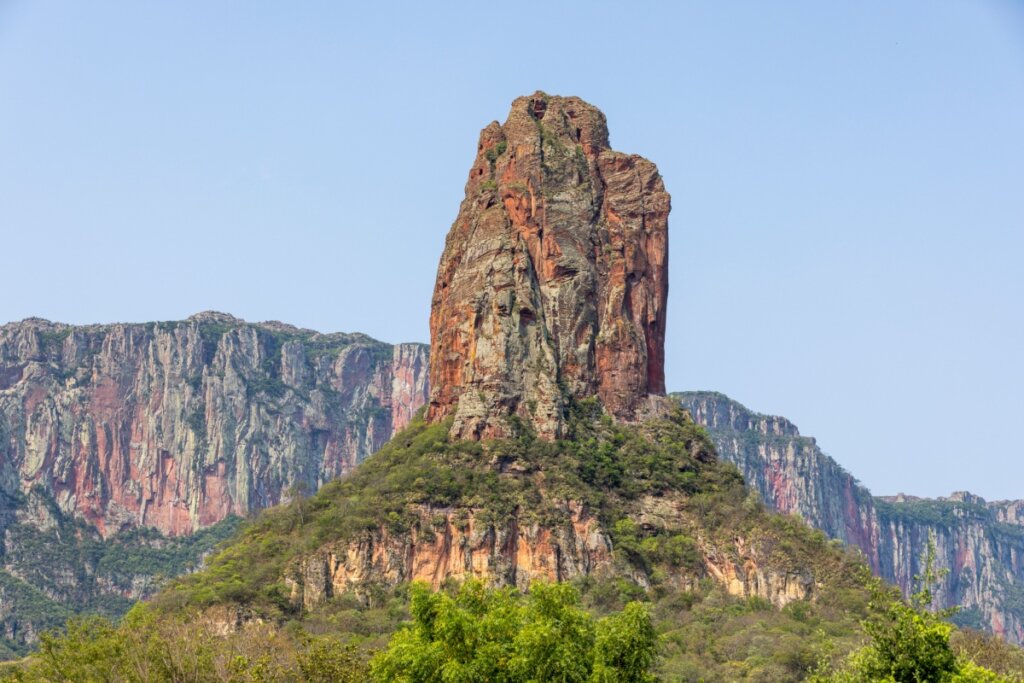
{"x": 980, "y": 543}
{"x": 452, "y": 543}
{"x": 983, "y": 553}
{"x": 178, "y": 425}
{"x": 788, "y": 470}
{"x": 461, "y": 544}
{"x": 554, "y": 276}
{"x": 119, "y": 442}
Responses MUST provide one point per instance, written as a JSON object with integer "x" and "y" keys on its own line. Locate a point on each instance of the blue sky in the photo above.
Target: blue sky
{"x": 848, "y": 222}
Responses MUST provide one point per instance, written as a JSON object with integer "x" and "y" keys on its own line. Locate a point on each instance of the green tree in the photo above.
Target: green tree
{"x": 89, "y": 650}
{"x": 625, "y": 649}
{"x": 481, "y": 634}
{"x": 329, "y": 661}
{"x": 909, "y": 641}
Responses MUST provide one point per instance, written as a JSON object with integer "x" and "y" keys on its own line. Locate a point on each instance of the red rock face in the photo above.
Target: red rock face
{"x": 178, "y": 425}
{"x": 554, "y": 277}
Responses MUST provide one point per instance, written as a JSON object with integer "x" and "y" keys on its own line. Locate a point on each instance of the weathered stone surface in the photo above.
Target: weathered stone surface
{"x": 980, "y": 543}
{"x": 177, "y": 425}
{"x": 788, "y": 470}
{"x": 554, "y": 276}
{"x": 982, "y": 553}
{"x": 453, "y": 543}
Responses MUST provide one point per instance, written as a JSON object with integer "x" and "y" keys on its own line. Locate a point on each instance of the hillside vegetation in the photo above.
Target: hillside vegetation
{"x": 238, "y": 621}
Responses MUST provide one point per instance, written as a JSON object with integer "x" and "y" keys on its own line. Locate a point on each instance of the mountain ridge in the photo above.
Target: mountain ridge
{"x": 979, "y": 542}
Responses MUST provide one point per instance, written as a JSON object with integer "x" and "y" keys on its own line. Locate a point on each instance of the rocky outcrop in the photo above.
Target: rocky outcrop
{"x": 554, "y": 276}
{"x": 749, "y": 579}
{"x": 980, "y": 544}
{"x": 458, "y": 544}
{"x": 551, "y": 289}
{"x": 454, "y": 544}
{"x": 178, "y": 425}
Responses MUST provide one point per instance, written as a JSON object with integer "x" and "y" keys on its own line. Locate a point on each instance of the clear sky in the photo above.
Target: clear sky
{"x": 847, "y": 234}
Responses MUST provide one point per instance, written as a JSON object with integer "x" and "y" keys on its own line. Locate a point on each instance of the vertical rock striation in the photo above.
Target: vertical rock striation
{"x": 119, "y": 442}
{"x": 554, "y": 276}
{"x": 980, "y": 543}
{"x": 789, "y": 471}
{"x": 178, "y": 425}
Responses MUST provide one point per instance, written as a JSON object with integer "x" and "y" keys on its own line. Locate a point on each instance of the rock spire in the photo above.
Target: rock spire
{"x": 554, "y": 277}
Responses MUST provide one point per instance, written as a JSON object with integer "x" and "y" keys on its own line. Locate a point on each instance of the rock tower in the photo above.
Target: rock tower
{"x": 554, "y": 277}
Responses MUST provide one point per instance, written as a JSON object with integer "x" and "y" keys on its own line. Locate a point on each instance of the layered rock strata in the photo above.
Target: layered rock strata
{"x": 554, "y": 276}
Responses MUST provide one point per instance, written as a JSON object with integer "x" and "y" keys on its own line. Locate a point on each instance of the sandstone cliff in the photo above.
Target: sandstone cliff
{"x": 980, "y": 543}
{"x": 174, "y": 427}
{"x": 554, "y": 276}
{"x": 462, "y": 543}
{"x": 178, "y": 425}
{"x": 789, "y": 471}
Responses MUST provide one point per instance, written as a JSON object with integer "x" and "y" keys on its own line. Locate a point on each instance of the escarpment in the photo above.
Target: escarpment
{"x": 461, "y": 543}
{"x": 978, "y": 544}
{"x": 554, "y": 277}
{"x": 178, "y": 425}
{"x": 119, "y": 442}
{"x": 788, "y": 470}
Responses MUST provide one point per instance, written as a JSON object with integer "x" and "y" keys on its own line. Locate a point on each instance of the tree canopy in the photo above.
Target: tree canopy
{"x": 481, "y": 634}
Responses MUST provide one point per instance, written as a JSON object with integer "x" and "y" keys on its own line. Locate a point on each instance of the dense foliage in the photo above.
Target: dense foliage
{"x": 909, "y": 642}
{"x": 617, "y": 470}
{"x": 491, "y": 635}
{"x": 946, "y": 514}
{"x": 151, "y": 648}
{"x": 65, "y": 567}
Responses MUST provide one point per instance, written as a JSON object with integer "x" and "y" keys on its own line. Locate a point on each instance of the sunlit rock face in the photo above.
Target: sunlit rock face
{"x": 177, "y": 425}
{"x": 554, "y": 276}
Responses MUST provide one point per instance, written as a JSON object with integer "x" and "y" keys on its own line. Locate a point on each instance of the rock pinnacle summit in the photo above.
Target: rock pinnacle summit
{"x": 554, "y": 277}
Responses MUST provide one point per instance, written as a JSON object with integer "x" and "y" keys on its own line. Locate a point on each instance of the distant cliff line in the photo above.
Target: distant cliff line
{"x": 980, "y": 543}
